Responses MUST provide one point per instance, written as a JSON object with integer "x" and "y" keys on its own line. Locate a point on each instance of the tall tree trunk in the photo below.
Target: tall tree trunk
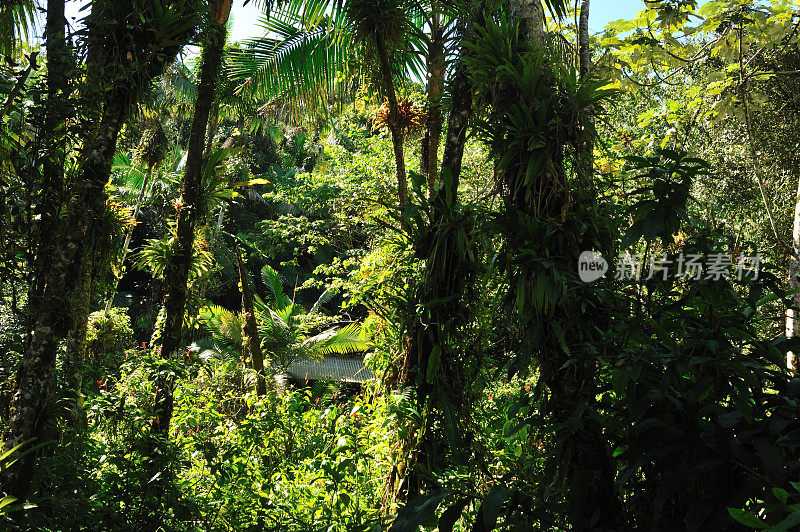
{"x": 585, "y": 146}
{"x": 176, "y": 274}
{"x": 584, "y": 54}
{"x": 50, "y": 312}
{"x": 557, "y": 333}
{"x": 394, "y": 127}
{"x": 250, "y": 328}
{"x": 445, "y": 279}
{"x": 792, "y": 321}
{"x": 61, "y": 249}
{"x": 429, "y": 157}
{"x": 529, "y": 15}
{"x": 55, "y": 114}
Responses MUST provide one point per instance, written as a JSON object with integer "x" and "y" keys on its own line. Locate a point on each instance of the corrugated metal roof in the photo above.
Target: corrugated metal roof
{"x": 331, "y": 367}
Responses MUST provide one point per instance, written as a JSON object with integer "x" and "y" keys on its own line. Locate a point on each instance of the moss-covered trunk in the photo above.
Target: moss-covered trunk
{"x": 50, "y": 312}
{"x": 176, "y": 274}
{"x": 792, "y": 321}
{"x": 68, "y": 216}
{"x": 429, "y": 154}
{"x": 76, "y": 338}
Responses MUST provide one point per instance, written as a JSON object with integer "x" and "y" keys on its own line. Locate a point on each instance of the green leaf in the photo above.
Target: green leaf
{"x": 417, "y": 512}
{"x": 780, "y": 494}
{"x": 433, "y": 363}
{"x": 790, "y": 523}
{"x": 490, "y": 509}
{"x": 447, "y": 520}
{"x": 5, "y": 501}
{"x": 747, "y": 518}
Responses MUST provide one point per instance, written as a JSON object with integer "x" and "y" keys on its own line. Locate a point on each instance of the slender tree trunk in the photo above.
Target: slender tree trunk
{"x": 584, "y": 54}
{"x": 55, "y": 114}
{"x": 218, "y": 225}
{"x": 429, "y": 158}
{"x": 177, "y": 271}
{"x": 394, "y": 128}
{"x": 585, "y": 146}
{"x": 252, "y": 339}
{"x": 128, "y": 236}
{"x": 457, "y": 121}
{"x": 792, "y": 320}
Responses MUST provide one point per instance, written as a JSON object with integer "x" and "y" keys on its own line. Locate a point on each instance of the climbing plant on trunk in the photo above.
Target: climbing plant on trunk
{"x": 176, "y": 274}
{"x": 150, "y": 35}
{"x": 546, "y": 223}
{"x": 432, "y": 362}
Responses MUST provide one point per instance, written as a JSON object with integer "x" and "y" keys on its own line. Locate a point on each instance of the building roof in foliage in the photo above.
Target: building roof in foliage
{"x": 331, "y": 367}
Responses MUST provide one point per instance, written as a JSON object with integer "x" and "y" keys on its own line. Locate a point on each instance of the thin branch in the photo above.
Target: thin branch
{"x": 753, "y": 153}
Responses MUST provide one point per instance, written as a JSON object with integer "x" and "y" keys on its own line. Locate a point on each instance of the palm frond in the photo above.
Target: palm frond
{"x": 225, "y": 328}
{"x": 303, "y": 63}
{"x": 128, "y": 175}
{"x": 324, "y": 297}
{"x": 17, "y": 23}
{"x": 347, "y": 339}
{"x": 273, "y": 281}
{"x": 157, "y": 253}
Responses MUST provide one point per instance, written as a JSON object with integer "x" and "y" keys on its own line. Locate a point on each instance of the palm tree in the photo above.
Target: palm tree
{"x": 310, "y": 61}
{"x": 285, "y": 329}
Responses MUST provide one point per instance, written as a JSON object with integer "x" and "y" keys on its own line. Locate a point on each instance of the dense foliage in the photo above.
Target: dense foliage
{"x": 567, "y": 266}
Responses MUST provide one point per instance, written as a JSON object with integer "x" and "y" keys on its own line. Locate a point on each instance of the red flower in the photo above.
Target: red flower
{"x": 316, "y": 400}
{"x": 491, "y": 397}
{"x": 527, "y": 387}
